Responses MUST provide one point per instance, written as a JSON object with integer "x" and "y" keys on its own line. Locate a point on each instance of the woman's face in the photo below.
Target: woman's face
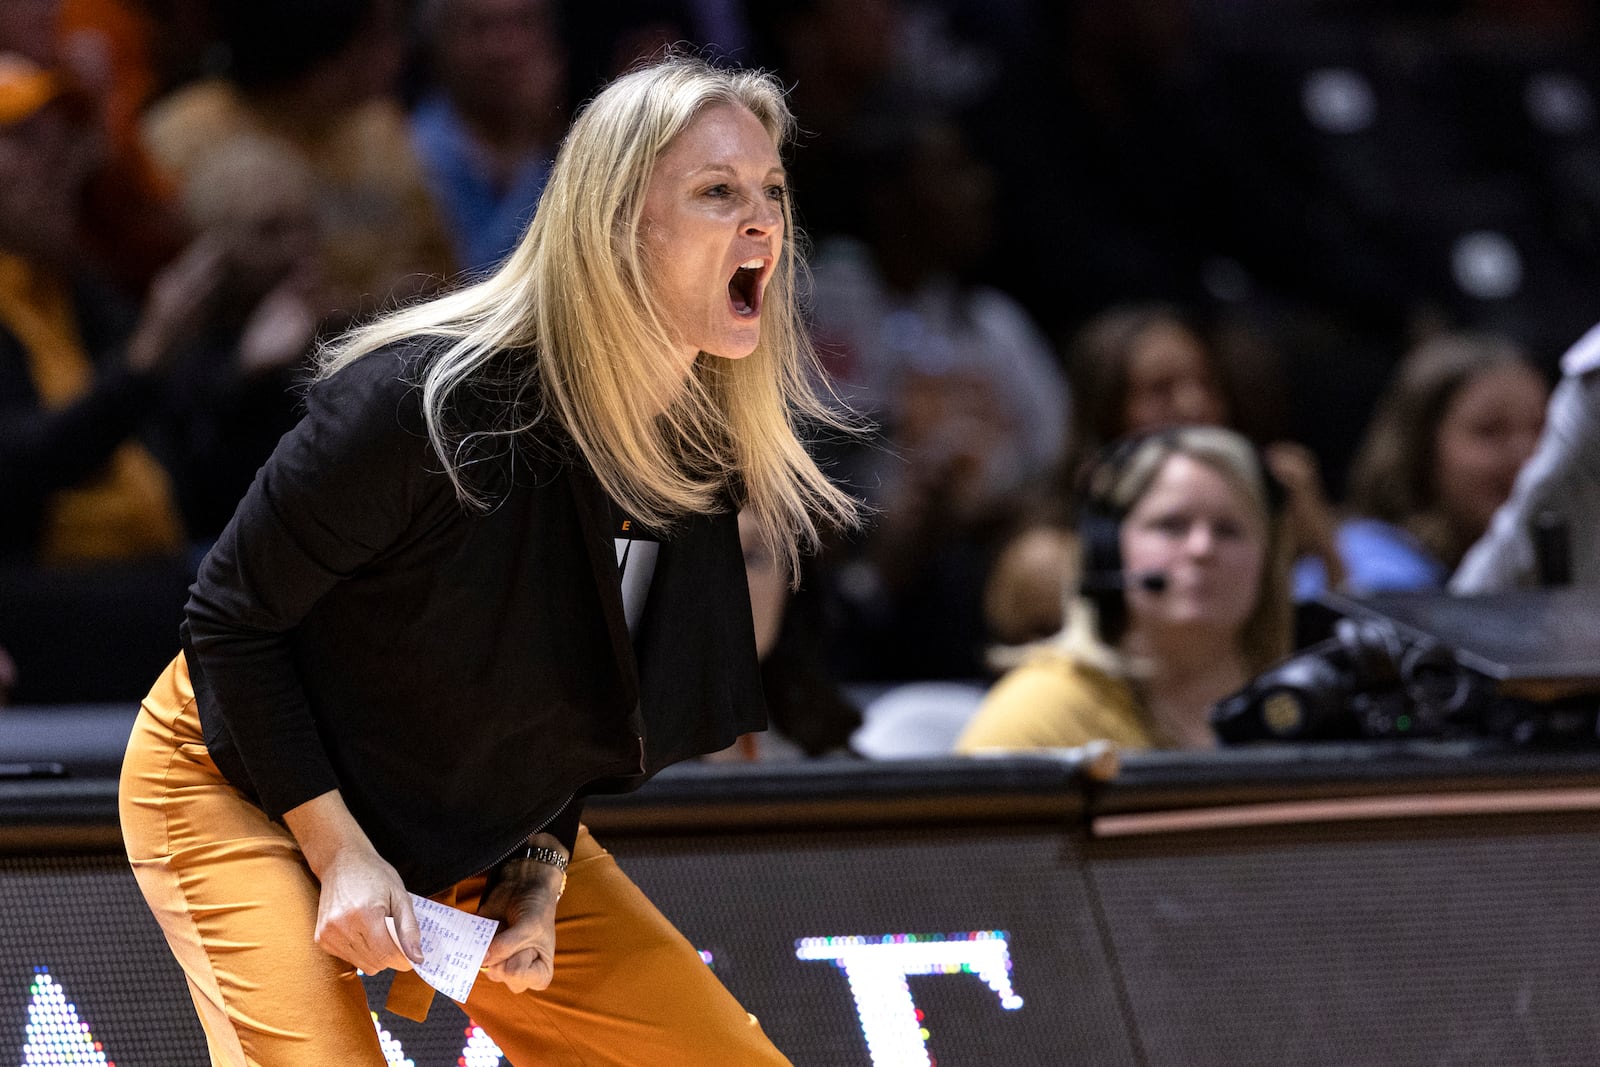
{"x": 498, "y": 58}
{"x": 1207, "y": 538}
{"x": 271, "y": 230}
{"x": 1487, "y": 432}
{"x": 44, "y": 161}
{"x": 713, "y": 231}
{"x": 1171, "y": 382}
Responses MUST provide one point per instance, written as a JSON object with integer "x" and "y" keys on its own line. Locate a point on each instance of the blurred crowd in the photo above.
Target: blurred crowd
{"x": 1267, "y": 297}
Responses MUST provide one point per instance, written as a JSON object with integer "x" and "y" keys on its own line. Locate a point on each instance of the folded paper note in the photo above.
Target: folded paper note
{"x": 453, "y": 946}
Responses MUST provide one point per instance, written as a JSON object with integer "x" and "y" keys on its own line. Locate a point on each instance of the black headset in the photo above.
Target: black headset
{"x": 1102, "y": 580}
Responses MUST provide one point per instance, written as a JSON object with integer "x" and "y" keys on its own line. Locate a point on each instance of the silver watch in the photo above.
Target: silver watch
{"x": 541, "y": 854}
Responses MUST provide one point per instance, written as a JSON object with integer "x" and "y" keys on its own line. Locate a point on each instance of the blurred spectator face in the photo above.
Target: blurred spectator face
{"x": 272, "y": 234}
{"x": 28, "y": 27}
{"x": 957, "y": 435}
{"x": 1487, "y": 432}
{"x": 1171, "y": 382}
{"x": 269, "y": 233}
{"x": 952, "y": 195}
{"x": 859, "y": 35}
{"x": 262, "y": 204}
{"x": 1207, "y": 537}
{"x": 937, "y": 409}
{"x": 372, "y": 62}
{"x": 46, "y": 155}
{"x": 498, "y": 57}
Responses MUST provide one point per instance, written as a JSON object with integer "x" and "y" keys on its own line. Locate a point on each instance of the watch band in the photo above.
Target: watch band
{"x": 541, "y": 854}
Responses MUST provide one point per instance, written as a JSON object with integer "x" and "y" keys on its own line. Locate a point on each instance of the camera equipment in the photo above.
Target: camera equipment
{"x": 1521, "y": 667}
{"x": 1368, "y": 680}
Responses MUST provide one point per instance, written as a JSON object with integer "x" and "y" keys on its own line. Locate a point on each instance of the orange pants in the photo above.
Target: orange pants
{"x": 238, "y": 905}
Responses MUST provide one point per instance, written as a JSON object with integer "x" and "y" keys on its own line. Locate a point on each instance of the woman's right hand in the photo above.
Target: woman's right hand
{"x": 359, "y": 891}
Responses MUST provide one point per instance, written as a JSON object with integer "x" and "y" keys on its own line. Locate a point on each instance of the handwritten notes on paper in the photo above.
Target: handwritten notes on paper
{"x": 453, "y": 946}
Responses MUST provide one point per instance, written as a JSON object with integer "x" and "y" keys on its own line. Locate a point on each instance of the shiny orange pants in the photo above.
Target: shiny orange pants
{"x": 238, "y": 905}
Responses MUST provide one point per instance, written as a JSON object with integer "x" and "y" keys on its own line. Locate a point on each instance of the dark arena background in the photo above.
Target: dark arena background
{"x": 1300, "y": 195}
{"x": 1326, "y": 905}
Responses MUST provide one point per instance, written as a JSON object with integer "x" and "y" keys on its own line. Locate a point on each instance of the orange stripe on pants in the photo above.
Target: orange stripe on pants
{"x": 238, "y": 906}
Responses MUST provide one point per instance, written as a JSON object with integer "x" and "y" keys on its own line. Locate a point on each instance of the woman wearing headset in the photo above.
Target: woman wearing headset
{"x": 1183, "y": 597}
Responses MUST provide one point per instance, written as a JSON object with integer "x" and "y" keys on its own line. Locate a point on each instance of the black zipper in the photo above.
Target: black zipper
{"x": 521, "y": 841}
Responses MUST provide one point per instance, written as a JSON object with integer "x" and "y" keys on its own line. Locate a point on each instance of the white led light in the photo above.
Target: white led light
{"x": 481, "y": 1051}
{"x": 393, "y": 1054}
{"x": 1339, "y": 100}
{"x": 1486, "y": 265}
{"x": 54, "y": 1035}
{"x": 877, "y": 967}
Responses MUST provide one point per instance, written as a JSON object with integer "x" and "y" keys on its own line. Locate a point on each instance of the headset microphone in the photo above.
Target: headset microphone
{"x": 1150, "y": 581}
{"x": 1111, "y": 581}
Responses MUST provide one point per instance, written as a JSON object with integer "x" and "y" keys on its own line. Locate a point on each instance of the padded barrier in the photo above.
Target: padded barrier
{"x": 1407, "y": 904}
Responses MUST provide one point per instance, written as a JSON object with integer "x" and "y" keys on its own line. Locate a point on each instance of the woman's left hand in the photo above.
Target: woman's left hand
{"x": 522, "y": 954}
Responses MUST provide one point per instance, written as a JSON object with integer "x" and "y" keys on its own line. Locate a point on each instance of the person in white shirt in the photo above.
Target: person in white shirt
{"x": 1559, "y": 485}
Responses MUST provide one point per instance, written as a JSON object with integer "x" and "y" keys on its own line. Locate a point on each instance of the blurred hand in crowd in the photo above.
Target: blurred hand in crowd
{"x": 954, "y": 433}
{"x": 258, "y": 201}
{"x": 180, "y": 300}
{"x": 280, "y": 330}
{"x": 1311, "y": 517}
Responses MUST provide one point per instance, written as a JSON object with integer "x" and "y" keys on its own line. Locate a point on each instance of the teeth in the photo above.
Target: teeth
{"x": 754, "y": 264}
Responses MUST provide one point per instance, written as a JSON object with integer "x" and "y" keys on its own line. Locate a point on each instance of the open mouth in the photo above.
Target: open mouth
{"x": 744, "y": 288}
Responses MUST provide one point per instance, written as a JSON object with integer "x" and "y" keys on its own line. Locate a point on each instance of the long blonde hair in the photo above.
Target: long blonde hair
{"x": 568, "y": 329}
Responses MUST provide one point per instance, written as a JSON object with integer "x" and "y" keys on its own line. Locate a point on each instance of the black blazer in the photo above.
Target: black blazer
{"x": 457, "y": 675}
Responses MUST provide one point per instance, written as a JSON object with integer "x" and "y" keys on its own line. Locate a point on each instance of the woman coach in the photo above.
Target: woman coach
{"x": 495, "y": 568}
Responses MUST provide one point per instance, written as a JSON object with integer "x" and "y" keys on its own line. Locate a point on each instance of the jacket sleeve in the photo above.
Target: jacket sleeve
{"x": 338, "y": 490}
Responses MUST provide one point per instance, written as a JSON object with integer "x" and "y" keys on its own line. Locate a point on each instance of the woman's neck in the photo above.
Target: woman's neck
{"x": 1184, "y": 676}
